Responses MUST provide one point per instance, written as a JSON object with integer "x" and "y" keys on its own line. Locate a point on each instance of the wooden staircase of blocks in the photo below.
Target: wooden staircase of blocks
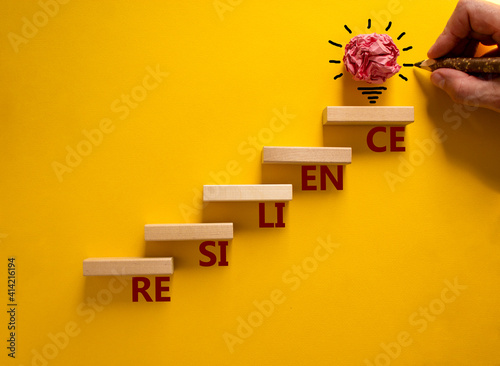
{"x": 336, "y": 116}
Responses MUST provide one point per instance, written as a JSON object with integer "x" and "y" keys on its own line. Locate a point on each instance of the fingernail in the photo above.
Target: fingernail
{"x": 437, "y": 79}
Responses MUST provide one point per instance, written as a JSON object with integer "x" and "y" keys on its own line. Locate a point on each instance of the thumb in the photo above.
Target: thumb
{"x": 467, "y": 89}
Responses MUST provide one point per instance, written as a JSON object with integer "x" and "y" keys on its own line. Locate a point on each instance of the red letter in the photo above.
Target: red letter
{"x": 159, "y": 289}
{"x": 204, "y": 251}
{"x": 223, "y": 246}
{"x": 306, "y": 178}
{"x": 279, "y": 207}
{"x": 369, "y": 139}
{"x": 395, "y": 138}
{"x": 262, "y": 216}
{"x": 143, "y": 290}
{"x": 338, "y": 183}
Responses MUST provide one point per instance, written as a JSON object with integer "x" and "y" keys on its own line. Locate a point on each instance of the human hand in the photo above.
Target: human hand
{"x": 472, "y": 22}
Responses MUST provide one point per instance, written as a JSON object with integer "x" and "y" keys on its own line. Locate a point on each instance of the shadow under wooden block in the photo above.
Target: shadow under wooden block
{"x": 247, "y": 218}
{"x": 244, "y": 215}
{"x": 100, "y": 292}
{"x": 292, "y": 173}
{"x": 186, "y": 253}
{"x": 354, "y": 136}
{"x": 281, "y": 174}
{"x": 357, "y": 137}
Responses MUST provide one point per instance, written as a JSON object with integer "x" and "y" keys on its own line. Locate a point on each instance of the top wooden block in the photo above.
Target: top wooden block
{"x": 306, "y": 155}
{"x": 368, "y": 115}
{"x": 247, "y": 192}
{"x": 166, "y": 232}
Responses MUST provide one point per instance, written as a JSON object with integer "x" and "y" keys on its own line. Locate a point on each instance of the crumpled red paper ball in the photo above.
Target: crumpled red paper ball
{"x": 371, "y": 58}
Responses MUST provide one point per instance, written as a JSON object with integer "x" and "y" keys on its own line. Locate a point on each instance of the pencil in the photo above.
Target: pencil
{"x": 483, "y": 65}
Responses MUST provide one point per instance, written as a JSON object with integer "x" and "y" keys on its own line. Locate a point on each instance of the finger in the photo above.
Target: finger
{"x": 467, "y": 89}
{"x": 457, "y": 28}
{"x": 444, "y": 44}
{"x": 465, "y": 48}
{"x": 471, "y": 19}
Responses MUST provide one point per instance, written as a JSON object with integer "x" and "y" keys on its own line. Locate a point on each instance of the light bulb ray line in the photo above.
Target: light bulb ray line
{"x": 335, "y": 44}
{"x": 372, "y": 88}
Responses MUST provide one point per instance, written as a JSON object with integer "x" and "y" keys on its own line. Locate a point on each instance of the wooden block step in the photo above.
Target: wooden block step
{"x": 247, "y": 192}
{"x": 306, "y": 155}
{"x": 166, "y": 232}
{"x": 127, "y": 266}
{"x": 351, "y": 115}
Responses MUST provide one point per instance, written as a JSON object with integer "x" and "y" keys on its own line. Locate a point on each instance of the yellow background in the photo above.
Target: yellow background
{"x": 230, "y": 72}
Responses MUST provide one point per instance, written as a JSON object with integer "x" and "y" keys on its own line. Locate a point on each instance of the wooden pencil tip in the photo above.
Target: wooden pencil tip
{"x": 425, "y": 64}
{"x": 418, "y": 64}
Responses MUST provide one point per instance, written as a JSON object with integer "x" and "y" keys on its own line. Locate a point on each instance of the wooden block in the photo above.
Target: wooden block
{"x": 248, "y": 192}
{"x": 127, "y": 266}
{"x": 349, "y": 116}
{"x": 165, "y": 232}
{"x": 306, "y": 155}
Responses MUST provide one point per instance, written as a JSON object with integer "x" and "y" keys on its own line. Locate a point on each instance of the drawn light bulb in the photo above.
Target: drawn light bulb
{"x": 378, "y": 62}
